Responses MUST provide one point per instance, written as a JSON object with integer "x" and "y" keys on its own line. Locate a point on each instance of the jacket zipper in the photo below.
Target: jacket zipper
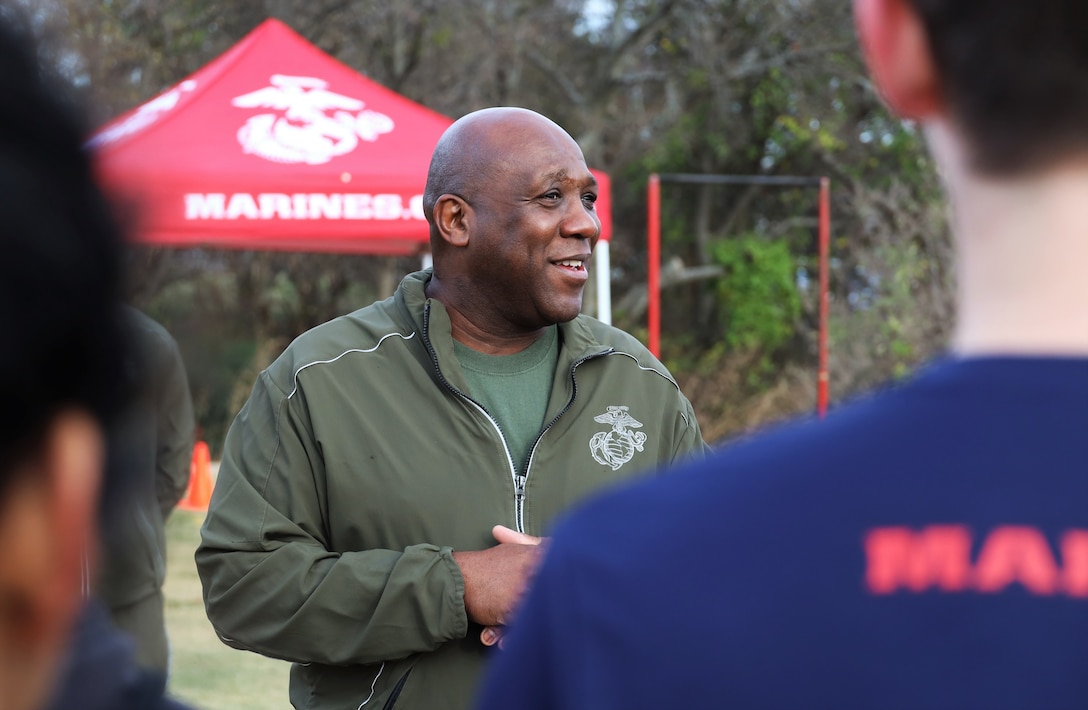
{"x": 523, "y": 480}
{"x": 519, "y": 481}
{"x": 397, "y": 689}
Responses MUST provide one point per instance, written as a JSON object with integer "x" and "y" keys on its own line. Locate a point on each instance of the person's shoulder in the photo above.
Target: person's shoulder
{"x": 787, "y": 459}
{"x": 610, "y": 335}
{"x": 619, "y": 341}
{"x": 375, "y": 328}
{"x": 155, "y": 352}
{"x": 100, "y": 669}
{"x": 145, "y": 329}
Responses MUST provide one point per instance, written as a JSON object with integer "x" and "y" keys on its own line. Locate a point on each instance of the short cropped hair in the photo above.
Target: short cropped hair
{"x": 1015, "y": 76}
{"x": 60, "y": 268}
{"x": 446, "y": 175}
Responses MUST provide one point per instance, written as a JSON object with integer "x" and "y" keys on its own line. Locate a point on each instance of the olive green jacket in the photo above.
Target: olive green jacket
{"x": 359, "y": 464}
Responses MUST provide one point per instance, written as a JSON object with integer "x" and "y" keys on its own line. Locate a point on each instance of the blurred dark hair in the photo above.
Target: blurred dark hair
{"x": 1014, "y": 74}
{"x": 60, "y": 271}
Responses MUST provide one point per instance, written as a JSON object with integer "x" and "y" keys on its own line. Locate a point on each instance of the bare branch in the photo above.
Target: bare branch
{"x": 555, "y": 74}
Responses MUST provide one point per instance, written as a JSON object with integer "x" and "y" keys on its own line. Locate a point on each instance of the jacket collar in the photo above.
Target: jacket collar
{"x": 430, "y": 318}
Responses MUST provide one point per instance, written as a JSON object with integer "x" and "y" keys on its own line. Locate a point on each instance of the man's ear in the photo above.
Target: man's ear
{"x": 452, "y": 218}
{"x": 48, "y": 523}
{"x": 899, "y": 57}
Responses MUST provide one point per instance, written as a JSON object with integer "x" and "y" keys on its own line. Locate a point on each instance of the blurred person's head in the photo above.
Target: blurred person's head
{"x": 60, "y": 367}
{"x": 1008, "y": 77}
{"x": 1000, "y": 89}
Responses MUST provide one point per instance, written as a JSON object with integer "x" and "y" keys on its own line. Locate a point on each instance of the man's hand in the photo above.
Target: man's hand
{"x": 504, "y": 534}
{"x": 496, "y": 578}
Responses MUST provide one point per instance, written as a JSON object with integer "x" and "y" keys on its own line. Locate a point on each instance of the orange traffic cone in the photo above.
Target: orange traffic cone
{"x": 200, "y": 479}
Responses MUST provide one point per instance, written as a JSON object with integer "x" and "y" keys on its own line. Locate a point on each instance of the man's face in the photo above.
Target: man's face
{"x": 535, "y": 227}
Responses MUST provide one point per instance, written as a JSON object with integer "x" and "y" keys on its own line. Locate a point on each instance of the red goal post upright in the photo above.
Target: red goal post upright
{"x": 653, "y": 255}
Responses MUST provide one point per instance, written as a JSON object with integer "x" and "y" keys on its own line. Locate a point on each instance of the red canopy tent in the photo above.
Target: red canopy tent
{"x": 277, "y": 146}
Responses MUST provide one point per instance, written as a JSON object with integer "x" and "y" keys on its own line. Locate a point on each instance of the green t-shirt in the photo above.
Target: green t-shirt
{"x": 514, "y": 388}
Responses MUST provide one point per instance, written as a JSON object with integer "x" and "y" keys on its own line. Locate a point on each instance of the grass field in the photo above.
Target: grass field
{"x": 205, "y": 673}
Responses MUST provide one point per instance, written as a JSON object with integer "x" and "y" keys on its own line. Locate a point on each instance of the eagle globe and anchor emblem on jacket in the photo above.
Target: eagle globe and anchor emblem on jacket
{"x": 616, "y": 447}
{"x": 315, "y": 125}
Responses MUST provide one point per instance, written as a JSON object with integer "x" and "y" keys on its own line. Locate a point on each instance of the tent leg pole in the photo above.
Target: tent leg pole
{"x": 602, "y": 265}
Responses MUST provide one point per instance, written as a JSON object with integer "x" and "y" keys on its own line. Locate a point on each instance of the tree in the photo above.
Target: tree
{"x": 702, "y": 86}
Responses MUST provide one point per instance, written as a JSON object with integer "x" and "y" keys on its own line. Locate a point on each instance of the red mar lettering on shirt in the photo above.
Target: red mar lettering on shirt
{"x": 939, "y": 557}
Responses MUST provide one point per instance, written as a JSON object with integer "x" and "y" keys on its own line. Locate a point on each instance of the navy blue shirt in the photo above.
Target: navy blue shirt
{"x": 926, "y": 547}
{"x": 100, "y": 671}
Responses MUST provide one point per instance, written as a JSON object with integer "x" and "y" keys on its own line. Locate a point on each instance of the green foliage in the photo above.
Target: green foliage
{"x": 895, "y": 332}
{"x": 758, "y": 296}
{"x": 217, "y": 351}
{"x": 282, "y": 298}
{"x": 681, "y": 352}
{"x": 670, "y": 86}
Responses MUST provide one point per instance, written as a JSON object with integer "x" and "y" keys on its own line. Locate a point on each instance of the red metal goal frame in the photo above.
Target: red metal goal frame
{"x": 653, "y": 252}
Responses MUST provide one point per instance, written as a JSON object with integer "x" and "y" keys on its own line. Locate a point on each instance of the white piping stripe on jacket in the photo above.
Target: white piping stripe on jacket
{"x": 294, "y": 389}
{"x": 346, "y": 352}
{"x": 640, "y": 366}
{"x": 375, "y": 682}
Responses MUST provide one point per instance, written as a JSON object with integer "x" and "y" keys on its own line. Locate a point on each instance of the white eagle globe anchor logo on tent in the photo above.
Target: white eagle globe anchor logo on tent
{"x": 617, "y": 447}
{"x": 306, "y": 132}
{"x": 144, "y": 116}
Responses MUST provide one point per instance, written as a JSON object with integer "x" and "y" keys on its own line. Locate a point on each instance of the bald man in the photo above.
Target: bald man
{"x": 382, "y": 492}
